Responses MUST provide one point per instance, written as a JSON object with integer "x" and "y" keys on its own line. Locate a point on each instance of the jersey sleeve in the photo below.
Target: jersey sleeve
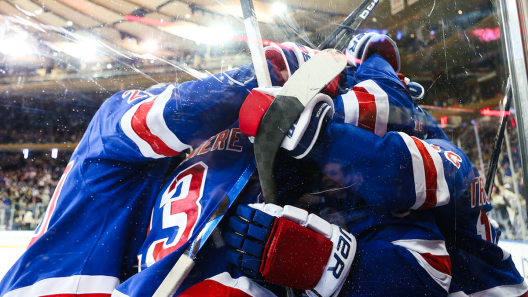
{"x": 394, "y": 172}
{"x": 377, "y": 100}
{"x": 167, "y": 119}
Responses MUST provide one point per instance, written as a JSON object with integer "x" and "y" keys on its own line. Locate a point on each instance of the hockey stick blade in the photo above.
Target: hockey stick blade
{"x": 498, "y": 140}
{"x": 296, "y": 93}
{"x": 344, "y": 32}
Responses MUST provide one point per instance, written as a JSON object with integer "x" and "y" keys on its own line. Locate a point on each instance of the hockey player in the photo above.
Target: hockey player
{"x": 403, "y": 173}
{"x": 97, "y": 219}
{"x": 193, "y": 193}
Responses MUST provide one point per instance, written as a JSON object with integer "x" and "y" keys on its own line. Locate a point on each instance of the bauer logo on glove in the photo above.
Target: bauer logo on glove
{"x": 278, "y": 243}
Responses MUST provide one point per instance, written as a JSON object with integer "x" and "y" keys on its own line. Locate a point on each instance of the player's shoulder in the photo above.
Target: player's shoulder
{"x": 134, "y": 96}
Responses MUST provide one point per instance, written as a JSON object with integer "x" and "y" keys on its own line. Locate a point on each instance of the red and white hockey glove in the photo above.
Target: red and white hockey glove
{"x": 303, "y": 134}
{"x": 364, "y": 45}
{"x": 286, "y": 58}
{"x": 289, "y": 247}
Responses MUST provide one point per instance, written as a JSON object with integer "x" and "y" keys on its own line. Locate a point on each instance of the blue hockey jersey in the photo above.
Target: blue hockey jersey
{"x": 223, "y": 172}
{"x": 97, "y": 220}
{"x": 401, "y": 171}
{"x": 220, "y": 167}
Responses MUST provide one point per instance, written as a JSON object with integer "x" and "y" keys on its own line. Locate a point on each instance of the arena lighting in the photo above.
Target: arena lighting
{"x": 54, "y": 153}
{"x": 26, "y": 153}
{"x": 279, "y": 8}
{"x": 487, "y": 34}
{"x": 15, "y": 47}
{"x": 81, "y": 50}
{"x": 150, "y": 46}
{"x": 495, "y": 113}
{"x": 443, "y": 121}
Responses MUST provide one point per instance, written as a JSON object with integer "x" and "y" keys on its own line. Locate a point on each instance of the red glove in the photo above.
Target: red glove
{"x": 303, "y": 134}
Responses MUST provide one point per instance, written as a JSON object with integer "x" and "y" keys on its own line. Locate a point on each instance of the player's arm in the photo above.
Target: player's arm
{"x": 378, "y": 98}
{"x": 178, "y": 117}
{"x": 167, "y": 121}
{"x": 394, "y": 172}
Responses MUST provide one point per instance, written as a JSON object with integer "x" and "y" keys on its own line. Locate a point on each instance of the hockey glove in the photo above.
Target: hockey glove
{"x": 286, "y": 246}
{"x": 303, "y": 134}
{"x": 416, "y": 90}
{"x": 364, "y": 45}
{"x": 287, "y": 57}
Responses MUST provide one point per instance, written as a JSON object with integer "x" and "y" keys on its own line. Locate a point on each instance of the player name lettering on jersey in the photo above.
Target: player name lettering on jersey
{"x": 478, "y": 194}
{"x": 225, "y": 140}
{"x": 453, "y": 158}
{"x": 450, "y": 156}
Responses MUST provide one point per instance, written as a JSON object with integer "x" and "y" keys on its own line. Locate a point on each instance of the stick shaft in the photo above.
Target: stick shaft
{"x": 255, "y": 44}
{"x": 176, "y": 276}
{"x": 498, "y": 140}
{"x": 343, "y": 33}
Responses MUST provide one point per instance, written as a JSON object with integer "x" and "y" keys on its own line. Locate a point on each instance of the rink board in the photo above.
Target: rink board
{"x": 14, "y": 243}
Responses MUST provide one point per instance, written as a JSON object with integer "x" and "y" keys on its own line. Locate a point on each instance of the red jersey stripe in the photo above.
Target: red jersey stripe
{"x": 79, "y": 295}
{"x": 367, "y": 109}
{"x": 140, "y": 126}
{"x": 430, "y": 175}
{"x": 440, "y": 263}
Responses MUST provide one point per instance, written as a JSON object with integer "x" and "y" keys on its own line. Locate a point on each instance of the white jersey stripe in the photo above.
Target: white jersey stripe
{"x": 351, "y": 107}
{"x": 126, "y": 124}
{"x": 77, "y": 284}
{"x": 433, "y": 247}
{"x": 418, "y": 170}
{"x": 157, "y": 125}
{"x": 243, "y": 284}
{"x": 442, "y": 190}
{"x": 444, "y": 280}
{"x": 382, "y": 105}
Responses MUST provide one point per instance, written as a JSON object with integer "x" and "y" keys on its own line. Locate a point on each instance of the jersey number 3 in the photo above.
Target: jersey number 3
{"x": 181, "y": 211}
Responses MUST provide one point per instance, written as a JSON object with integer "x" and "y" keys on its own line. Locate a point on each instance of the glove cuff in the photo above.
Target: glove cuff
{"x": 305, "y": 132}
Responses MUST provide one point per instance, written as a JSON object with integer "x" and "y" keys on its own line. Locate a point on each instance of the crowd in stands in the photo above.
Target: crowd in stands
{"x": 26, "y": 187}
{"x": 508, "y": 197}
{"x": 55, "y": 123}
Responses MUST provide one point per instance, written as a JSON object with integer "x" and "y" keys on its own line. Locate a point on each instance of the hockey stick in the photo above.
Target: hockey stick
{"x": 300, "y": 85}
{"x": 185, "y": 263}
{"x": 344, "y": 32}
{"x": 285, "y": 109}
{"x": 288, "y": 105}
{"x": 255, "y": 44}
{"x": 498, "y": 139}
